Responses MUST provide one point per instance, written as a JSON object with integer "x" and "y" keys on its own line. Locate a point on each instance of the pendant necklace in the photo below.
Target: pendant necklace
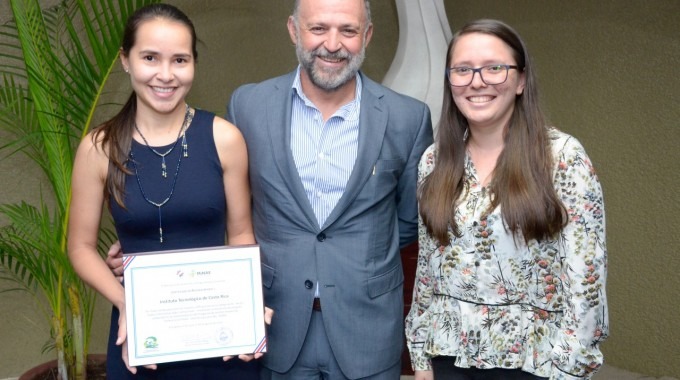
{"x": 185, "y": 124}
{"x": 187, "y": 119}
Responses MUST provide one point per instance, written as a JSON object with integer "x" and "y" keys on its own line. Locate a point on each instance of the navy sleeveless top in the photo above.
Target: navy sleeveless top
{"x": 193, "y": 217}
{"x": 195, "y": 214}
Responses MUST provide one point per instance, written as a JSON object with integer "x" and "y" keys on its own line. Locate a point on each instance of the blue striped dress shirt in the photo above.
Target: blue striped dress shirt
{"x": 324, "y": 152}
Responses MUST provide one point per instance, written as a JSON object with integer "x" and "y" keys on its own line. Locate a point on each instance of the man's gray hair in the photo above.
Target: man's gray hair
{"x": 367, "y": 6}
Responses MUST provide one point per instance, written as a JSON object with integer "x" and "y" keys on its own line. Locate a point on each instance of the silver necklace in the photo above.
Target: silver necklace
{"x": 159, "y": 205}
{"x": 185, "y": 147}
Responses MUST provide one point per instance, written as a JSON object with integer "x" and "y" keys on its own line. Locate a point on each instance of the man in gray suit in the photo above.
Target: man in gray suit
{"x": 333, "y": 166}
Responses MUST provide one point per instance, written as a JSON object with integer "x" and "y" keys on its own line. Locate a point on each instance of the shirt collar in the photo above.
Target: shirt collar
{"x": 349, "y": 111}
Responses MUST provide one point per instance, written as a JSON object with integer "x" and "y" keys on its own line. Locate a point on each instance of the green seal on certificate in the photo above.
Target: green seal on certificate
{"x": 150, "y": 343}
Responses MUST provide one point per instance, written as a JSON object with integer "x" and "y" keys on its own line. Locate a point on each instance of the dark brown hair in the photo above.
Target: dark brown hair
{"x": 116, "y": 133}
{"x": 522, "y": 179}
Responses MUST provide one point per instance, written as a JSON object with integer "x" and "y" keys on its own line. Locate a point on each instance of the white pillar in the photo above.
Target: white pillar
{"x": 419, "y": 63}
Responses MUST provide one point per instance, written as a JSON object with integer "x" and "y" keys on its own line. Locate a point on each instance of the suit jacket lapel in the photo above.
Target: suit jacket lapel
{"x": 279, "y": 108}
{"x": 372, "y": 126}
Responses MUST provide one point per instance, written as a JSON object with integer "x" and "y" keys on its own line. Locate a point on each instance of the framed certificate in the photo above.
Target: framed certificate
{"x": 192, "y": 304}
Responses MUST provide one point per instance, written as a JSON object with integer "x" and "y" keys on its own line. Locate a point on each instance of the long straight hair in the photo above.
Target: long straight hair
{"x": 116, "y": 133}
{"x": 522, "y": 183}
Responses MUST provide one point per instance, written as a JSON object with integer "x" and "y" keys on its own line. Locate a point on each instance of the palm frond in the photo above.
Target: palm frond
{"x": 29, "y": 252}
{"x": 10, "y": 51}
{"x": 17, "y": 115}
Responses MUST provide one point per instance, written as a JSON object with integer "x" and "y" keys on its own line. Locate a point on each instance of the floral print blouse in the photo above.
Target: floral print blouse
{"x": 495, "y": 302}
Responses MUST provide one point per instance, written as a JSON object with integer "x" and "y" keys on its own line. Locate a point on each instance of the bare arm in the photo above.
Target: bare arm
{"x": 87, "y": 187}
{"x": 231, "y": 148}
{"x": 88, "y": 181}
{"x": 89, "y": 174}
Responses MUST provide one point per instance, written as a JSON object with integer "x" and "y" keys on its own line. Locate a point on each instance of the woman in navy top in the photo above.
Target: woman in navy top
{"x": 173, "y": 177}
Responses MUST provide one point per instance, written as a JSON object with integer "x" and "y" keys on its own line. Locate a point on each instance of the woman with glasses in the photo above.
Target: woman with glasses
{"x": 510, "y": 282}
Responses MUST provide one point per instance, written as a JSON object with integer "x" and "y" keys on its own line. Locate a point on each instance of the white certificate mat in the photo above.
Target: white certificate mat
{"x": 192, "y": 304}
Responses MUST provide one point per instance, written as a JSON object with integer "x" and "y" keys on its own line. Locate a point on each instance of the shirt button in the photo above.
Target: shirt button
{"x": 321, "y": 237}
{"x": 308, "y": 284}
{"x": 321, "y": 156}
{"x": 319, "y": 194}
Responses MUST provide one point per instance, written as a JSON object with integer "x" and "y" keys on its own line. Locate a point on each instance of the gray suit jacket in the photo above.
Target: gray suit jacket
{"x": 354, "y": 256}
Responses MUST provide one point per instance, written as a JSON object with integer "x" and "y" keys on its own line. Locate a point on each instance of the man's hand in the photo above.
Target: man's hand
{"x": 114, "y": 259}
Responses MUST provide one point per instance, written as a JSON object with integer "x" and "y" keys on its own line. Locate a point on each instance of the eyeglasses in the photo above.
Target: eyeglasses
{"x": 490, "y": 74}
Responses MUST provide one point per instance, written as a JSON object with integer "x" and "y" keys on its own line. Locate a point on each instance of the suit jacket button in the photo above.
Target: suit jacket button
{"x": 308, "y": 284}
{"x": 321, "y": 237}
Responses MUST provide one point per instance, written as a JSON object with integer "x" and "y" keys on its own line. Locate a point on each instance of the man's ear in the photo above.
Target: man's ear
{"x": 369, "y": 34}
{"x": 292, "y": 30}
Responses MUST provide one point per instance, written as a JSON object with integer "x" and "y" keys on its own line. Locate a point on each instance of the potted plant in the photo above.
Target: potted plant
{"x": 53, "y": 65}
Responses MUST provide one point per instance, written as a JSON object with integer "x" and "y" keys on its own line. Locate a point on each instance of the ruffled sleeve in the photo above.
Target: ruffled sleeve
{"x": 418, "y": 319}
{"x": 576, "y": 351}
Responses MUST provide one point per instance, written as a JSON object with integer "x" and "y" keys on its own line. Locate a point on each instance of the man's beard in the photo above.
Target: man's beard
{"x": 329, "y": 79}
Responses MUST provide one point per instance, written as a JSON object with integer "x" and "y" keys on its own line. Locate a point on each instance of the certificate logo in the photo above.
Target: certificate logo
{"x": 196, "y": 273}
{"x": 224, "y": 336}
{"x": 150, "y": 343}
